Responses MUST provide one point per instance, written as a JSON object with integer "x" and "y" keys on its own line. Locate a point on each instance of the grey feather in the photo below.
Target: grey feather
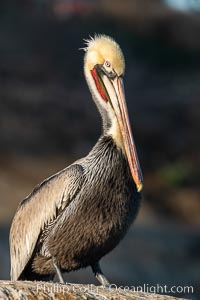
{"x": 36, "y": 211}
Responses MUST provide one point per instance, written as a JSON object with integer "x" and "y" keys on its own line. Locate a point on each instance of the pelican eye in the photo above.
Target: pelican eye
{"x": 107, "y": 64}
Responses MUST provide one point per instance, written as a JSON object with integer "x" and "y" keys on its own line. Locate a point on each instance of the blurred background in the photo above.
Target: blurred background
{"x": 47, "y": 120}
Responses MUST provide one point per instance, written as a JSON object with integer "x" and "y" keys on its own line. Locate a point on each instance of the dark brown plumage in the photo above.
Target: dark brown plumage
{"x": 102, "y": 211}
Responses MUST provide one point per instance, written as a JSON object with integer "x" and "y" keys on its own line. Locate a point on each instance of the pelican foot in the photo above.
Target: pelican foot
{"x": 58, "y": 270}
{"x": 100, "y": 276}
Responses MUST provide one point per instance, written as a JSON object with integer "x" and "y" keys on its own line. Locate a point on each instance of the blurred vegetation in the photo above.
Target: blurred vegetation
{"x": 176, "y": 174}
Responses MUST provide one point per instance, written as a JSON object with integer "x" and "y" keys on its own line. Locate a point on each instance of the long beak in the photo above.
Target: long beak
{"x": 115, "y": 90}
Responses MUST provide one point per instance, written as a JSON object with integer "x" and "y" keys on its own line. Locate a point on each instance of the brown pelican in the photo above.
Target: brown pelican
{"x": 75, "y": 217}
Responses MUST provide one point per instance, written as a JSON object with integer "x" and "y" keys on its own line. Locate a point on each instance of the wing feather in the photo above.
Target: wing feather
{"x": 38, "y": 209}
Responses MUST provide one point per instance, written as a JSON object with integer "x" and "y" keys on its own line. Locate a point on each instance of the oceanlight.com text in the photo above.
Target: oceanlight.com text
{"x": 96, "y": 290}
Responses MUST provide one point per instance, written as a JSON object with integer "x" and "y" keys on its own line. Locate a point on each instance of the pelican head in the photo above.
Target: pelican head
{"x": 104, "y": 67}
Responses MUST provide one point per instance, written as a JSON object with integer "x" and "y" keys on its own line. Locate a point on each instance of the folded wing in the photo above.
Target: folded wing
{"x": 37, "y": 210}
